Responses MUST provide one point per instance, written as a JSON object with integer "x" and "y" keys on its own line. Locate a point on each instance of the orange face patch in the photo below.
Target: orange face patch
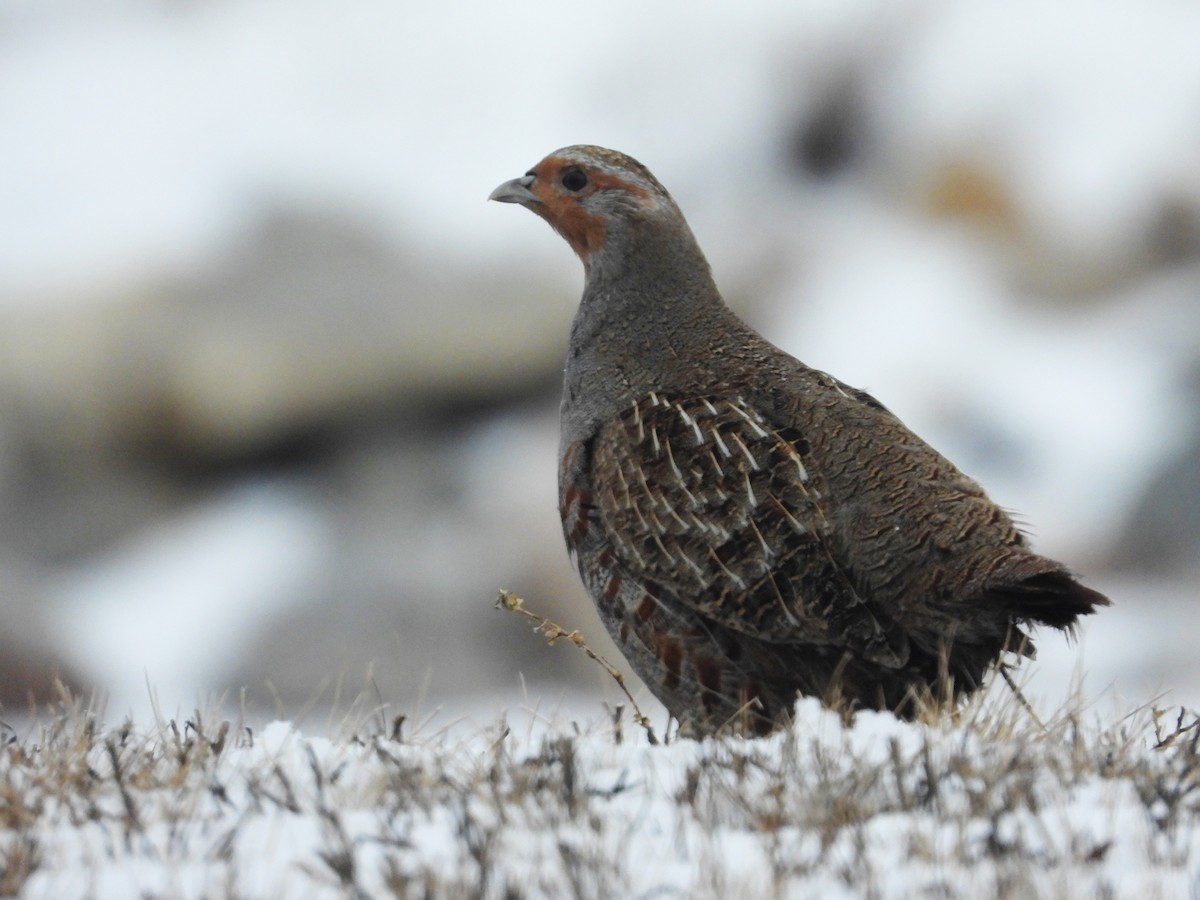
{"x": 583, "y": 230}
{"x": 563, "y": 208}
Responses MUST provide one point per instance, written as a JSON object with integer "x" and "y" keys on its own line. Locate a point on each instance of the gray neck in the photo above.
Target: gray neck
{"x": 648, "y": 320}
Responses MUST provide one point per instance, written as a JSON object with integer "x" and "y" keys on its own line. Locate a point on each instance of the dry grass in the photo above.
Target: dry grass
{"x": 987, "y": 803}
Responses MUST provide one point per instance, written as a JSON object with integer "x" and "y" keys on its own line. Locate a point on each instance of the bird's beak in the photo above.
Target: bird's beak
{"x": 516, "y": 191}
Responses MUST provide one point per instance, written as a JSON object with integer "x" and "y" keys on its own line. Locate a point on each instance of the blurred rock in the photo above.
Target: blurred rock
{"x": 1162, "y": 535}
{"x": 317, "y": 318}
{"x": 312, "y": 317}
{"x": 831, "y": 136}
{"x": 31, "y": 674}
{"x": 34, "y": 667}
{"x": 61, "y": 499}
{"x": 1175, "y": 232}
{"x": 111, "y": 409}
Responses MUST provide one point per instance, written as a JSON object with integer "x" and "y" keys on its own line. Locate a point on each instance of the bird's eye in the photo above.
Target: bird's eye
{"x": 574, "y": 179}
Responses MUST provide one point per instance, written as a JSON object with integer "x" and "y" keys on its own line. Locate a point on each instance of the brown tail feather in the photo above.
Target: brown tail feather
{"x": 1052, "y": 598}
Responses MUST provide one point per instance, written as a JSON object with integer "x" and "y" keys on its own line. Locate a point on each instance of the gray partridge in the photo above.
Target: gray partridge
{"x": 748, "y": 527}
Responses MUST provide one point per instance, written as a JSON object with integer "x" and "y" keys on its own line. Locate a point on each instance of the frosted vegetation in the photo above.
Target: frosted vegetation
{"x": 989, "y": 802}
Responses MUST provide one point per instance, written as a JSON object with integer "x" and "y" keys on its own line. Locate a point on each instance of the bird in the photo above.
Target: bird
{"x": 751, "y": 529}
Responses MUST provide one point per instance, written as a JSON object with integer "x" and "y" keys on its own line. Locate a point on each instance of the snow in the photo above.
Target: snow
{"x": 146, "y": 131}
{"x": 1082, "y": 101}
{"x": 886, "y": 808}
{"x": 140, "y": 134}
{"x": 153, "y": 618}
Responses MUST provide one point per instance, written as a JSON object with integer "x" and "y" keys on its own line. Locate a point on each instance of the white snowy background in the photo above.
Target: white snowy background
{"x": 277, "y": 386}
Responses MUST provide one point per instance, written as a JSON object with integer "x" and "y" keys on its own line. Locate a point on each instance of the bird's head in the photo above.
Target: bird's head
{"x": 591, "y": 196}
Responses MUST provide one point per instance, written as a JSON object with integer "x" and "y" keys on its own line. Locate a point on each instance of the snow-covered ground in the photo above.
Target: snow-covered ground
{"x": 992, "y": 806}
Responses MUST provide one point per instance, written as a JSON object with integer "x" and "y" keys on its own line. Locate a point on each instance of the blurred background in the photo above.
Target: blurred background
{"x": 278, "y": 388}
